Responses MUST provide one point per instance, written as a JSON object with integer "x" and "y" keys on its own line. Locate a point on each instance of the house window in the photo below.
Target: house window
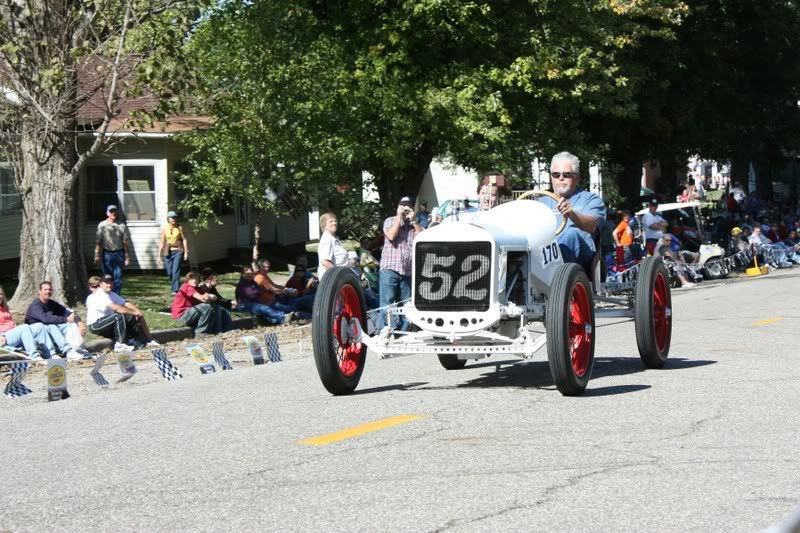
{"x": 130, "y": 187}
{"x": 9, "y": 197}
{"x": 101, "y": 190}
{"x": 138, "y": 192}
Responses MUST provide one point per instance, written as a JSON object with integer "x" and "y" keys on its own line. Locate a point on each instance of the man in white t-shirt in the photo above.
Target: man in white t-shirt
{"x": 110, "y": 315}
{"x": 654, "y": 226}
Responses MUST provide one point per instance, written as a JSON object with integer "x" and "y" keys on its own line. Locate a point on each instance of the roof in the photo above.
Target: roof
{"x": 93, "y": 80}
{"x": 672, "y": 207}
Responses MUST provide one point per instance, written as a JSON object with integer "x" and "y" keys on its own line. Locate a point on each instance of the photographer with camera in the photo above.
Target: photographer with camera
{"x": 395, "y": 275}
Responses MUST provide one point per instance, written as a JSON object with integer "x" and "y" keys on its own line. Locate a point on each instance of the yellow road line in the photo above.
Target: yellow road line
{"x": 768, "y": 321}
{"x": 361, "y": 429}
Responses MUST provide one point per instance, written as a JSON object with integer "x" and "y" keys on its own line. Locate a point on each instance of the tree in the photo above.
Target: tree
{"x": 55, "y": 58}
{"x": 334, "y": 88}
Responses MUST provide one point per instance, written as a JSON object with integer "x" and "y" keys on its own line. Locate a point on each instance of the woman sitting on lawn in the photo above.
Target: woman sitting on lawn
{"x": 24, "y": 336}
{"x": 199, "y": 311}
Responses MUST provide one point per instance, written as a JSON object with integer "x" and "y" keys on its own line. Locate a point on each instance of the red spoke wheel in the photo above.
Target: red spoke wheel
{"x": 653, "y": 318}
{"x": 569, "y": 321}
{"x": 338, "y": 310}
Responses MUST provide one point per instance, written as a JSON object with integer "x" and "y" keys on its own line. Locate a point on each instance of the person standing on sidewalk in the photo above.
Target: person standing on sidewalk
{"x": 394, "y": 277}
{"x": 174, "y": 249}
{"x": 111, "y": 247}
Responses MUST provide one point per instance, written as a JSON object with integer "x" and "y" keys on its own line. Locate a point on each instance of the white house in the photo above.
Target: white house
{"x": 136, "y": 176}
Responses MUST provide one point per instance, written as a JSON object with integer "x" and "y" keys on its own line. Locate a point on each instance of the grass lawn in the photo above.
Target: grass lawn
{"x": 152, "y": 294}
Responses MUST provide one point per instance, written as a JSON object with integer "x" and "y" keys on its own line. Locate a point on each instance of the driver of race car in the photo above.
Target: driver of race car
{"x": 584, "y": 210}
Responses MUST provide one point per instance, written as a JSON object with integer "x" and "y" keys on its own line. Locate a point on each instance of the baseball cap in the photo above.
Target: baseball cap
{"x": 736, "y": 231}
{"x": 405, "y": 200}
{"x": 108, "y": 278}
{"x": 653, "y": 201}
{"x": 172, "y": 214}
{"x": 110, "y": 208}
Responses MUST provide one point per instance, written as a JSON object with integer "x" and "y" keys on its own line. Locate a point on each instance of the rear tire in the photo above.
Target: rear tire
{"x": 569, "y": 321}
{"x": 653, "y": 319}
{"x": 338, "y": 304}
{"x": 451, "y": 362}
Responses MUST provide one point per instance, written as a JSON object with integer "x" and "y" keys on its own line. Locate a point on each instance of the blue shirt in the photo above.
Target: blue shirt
{"x": 585, "y": 203}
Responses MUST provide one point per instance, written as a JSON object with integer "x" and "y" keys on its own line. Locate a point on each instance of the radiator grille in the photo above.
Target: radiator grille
{"x": 452, "y": 276}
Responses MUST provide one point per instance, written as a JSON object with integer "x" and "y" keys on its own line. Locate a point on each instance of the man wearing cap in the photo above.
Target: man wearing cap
{"x": 111, "y": 247}
{"x": 395, "y": 275}
{"x": 110, "y": 315}
{"x": 654, "y": 226}
{"x": 174, "y": 249}
{"x": 584, "y": 210}
{"x": 423, "y": 216}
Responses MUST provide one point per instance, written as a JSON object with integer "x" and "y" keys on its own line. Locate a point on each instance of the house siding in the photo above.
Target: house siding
{"x": 10, "y": 230}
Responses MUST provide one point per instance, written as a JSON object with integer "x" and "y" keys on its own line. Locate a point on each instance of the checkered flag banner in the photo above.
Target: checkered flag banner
{"x": 271, "y": 340}
{"x": 96, "y": 374}
{"x": 219, "y": 356}
{"x": 165, "y": 366}
{"x": 15, "y": 388}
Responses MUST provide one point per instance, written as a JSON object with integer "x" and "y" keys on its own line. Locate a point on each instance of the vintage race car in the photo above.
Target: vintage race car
{"x": 479, "y": 288}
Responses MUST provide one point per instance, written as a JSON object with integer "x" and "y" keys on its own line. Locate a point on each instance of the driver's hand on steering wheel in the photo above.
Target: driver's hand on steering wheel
{"x": 564, "y": 207}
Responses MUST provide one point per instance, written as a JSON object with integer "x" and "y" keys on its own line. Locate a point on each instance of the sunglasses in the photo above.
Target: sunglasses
{"x": 565, "y": 175}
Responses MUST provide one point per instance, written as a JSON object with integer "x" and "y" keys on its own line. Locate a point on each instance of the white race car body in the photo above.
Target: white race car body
{"x": 461, "y": 270}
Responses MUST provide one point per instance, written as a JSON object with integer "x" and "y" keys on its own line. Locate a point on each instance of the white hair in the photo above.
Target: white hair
{"x": 568, "y": 157}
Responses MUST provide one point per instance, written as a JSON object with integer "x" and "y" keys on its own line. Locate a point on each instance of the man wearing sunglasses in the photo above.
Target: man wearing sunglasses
{"x": 584, "y": 210}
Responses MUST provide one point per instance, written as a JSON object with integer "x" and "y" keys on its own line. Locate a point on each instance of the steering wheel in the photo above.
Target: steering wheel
{"x": 552, "y": 195}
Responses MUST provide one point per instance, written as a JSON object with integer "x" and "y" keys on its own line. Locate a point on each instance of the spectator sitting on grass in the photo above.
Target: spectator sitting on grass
{"x": 25, "y": 336}
{"x": 248, "y": 297}
{"x": 271, "y": 291}
{"x": 671, "y": 259}
{"x": 109, "y": 315}
{"x": 209, "y": 286}
{"x": 58, "y": 322}
{"x": 199, "y": 311}
{"x": 304, "y": 286}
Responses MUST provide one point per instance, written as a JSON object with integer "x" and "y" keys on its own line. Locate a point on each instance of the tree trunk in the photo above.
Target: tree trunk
{"x": 49, "y": 241}
{"x": 392, "y": 187}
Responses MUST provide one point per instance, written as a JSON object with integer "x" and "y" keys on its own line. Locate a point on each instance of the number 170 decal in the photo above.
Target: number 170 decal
{"x": 549, "y": 253}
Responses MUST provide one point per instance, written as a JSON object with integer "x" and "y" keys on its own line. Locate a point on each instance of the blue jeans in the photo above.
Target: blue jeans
{"x": 112, "y": 264}
{"x": 172, "y": 264}
{"x": 290, "y": 308}
{"x": 272, "y": 316}
{"x": 27, "y": 336}
{"x": 393, "y": 288}
{"x": 574, "y": 249}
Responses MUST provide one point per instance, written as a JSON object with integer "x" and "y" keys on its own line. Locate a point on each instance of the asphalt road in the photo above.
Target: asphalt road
{"x": 710, "y": 443}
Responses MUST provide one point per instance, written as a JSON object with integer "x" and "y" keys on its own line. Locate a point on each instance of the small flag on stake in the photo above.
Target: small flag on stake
{"x": 271, "y": 340}
{"x": 255, "y": 349}
{"x": 126, "y": 366}
{"x": 165, "y": 366}
{"x": 201, "y": 358}
{"x": 56, "y": 379}
{"x": 96, "y": 374}
{"x": 219, "y": 356}
{"x": 15, "y": 388}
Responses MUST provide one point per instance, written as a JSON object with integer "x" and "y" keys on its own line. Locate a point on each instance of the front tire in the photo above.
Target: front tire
{"x": 451, "y": 362}
{"x": 569, "y": 321}
{"x": 653, "y": 319}
{"x": 338, "y": 305}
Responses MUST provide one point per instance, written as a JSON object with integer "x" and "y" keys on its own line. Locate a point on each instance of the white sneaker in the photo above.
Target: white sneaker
{"x": 153, "y": 344}
{"x": 119, "y": 347}
{"x": 288, "y": 317}
{"x": 74, "y": 354}
{"x": 688, "y": 285}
